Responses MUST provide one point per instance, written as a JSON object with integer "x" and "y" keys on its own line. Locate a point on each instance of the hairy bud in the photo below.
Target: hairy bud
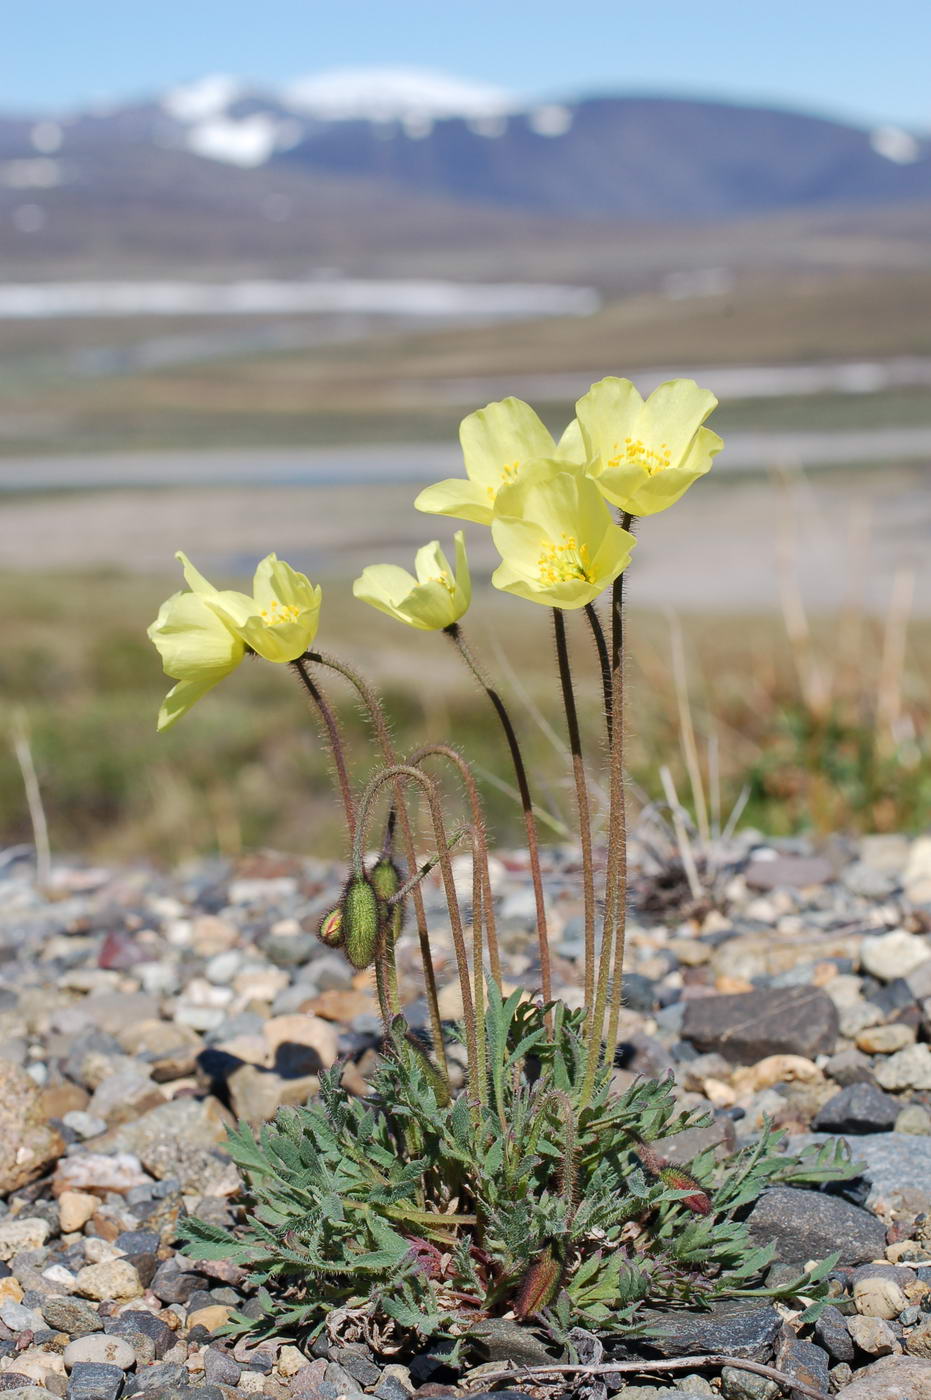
{"x": 360, "y": 922}
{"x": 540, "y": 1283}
{"x": 697, "y": 1200}
{"x": 330, "y": 931}
{"x": 386, "y": 879}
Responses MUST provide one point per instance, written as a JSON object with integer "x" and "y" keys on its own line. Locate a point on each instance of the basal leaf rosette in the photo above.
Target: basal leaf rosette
{"x": 645, "y": 454}
{"x": 436, "y": 598}
{"x": 497, "y": 442}
{"x": 558, "y": 543}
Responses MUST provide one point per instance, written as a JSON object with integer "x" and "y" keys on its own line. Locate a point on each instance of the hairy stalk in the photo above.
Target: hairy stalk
{"x": 405, "y": 771}
{"x": 604, "y": 662}
{"x": 530, "y": 825}
{"x": 335, "y": 741}
{"x": 376, "y": 713}
{"x": 581, "y": 794}
{"x": 478, "y": 822}
{"x": 615, "y": 905}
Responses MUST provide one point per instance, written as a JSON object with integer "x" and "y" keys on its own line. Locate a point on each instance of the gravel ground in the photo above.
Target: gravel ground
{"x": 140, "y": 1011}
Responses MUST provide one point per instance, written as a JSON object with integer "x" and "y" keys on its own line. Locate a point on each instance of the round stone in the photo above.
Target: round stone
{"x": 97, "y": 1346}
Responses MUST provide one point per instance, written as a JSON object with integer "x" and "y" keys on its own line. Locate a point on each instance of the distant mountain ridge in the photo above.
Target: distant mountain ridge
{"x": 407, "y": 147}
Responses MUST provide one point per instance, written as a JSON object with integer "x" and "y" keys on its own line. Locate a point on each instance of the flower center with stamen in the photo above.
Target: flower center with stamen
{"x": 508, "y": 473}
{"x": 635, "y": 453}
{"x": 276, "y": 613}
{"x": 446, "y": 581}
{"x": 565, "y": 561}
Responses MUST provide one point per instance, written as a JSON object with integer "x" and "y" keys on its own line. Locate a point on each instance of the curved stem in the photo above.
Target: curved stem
{"x": 335, "y": 741}
{"x": 401, "y": 771}
{"x": 530, "y": 824}
{"x": 478, "y": 822}
{"x": 376, "y": 713}
{"x": 604, "y": 662}
{"x": 581, "y": 793}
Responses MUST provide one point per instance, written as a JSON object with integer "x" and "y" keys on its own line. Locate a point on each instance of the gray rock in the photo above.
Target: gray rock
{"x": 906, "y": 1069}
{"x": 831, "y": 1333}
{"x": 220, "y": 1368}
{"x": 360, "y": 1367}
{"x": 850, "y": 1067}
{"x": 788, "y": 872}
{"x": 892, "y": 1378}
{"x": 71, "y": 1315}
{"x": 91, "y": 1380}
{"x": 807, "y": 1225}
{"x": 749, "y": 1026}
{"x": 804, "y": 1361}
{"x": 137, "y": 1324}
{"x": 744, "y": 1385}
{"x": 164, "y": 1377}
{"x": 735, "y": 1329}
{"x": 344, "y": 1383}
{"x": 893, "y": 1163}
{"x": 860, "y": 1108}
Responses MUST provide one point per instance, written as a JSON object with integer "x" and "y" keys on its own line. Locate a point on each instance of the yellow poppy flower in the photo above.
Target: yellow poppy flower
{"x": 496, "y": 443}
{"x": 436, "y": 598}
{"x": 197, "y": 649}
{"x": 645, "y": 455}
{"x": 557, "y": 540}
{"x": 279, "y": 622}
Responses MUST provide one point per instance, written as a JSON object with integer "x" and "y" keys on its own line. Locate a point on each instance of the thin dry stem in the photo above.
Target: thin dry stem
{"x": 666, "y": 1363}
{"x": 687, "y": 728}
{"x": 682, "y": 837}
{"x": 22, "y": 751}
{"x": 892, "y": 656}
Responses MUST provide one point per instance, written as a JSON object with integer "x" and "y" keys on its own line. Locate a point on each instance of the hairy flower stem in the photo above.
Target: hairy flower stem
{"x": 581, "y": 794}
{"x": 335, "y": 741}
{"x": 530, "y": 824}
{"x": 604, "y": 662}
{"x": 376, "y": 713}
{"x": 615, "y": 905}
{"x": 478, "y": 822}
{"x": 405, "y": 771}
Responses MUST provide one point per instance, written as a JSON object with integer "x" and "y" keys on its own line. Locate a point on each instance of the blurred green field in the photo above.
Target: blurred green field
{"x": 827, "y": 736}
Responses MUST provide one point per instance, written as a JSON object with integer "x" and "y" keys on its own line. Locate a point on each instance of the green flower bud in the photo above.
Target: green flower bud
{"x": 386, "y": 879}
{"x": 360, "y": 921}
{"x": 330, "y": 931}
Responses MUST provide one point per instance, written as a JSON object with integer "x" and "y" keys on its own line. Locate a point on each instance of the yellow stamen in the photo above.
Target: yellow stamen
{"x": 562, "y": 562}
{"x": 446, "y": 581}
{"x": 276, "y": 613}
{"x": 635, "y": 453}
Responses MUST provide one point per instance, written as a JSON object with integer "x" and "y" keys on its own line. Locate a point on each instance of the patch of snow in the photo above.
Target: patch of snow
{"x": 37, "y": 174}
{"x": 895, "y": 144}
{"x": 205, "y": 98}
{"x": 393, "y": 94}
{"x": 550, "y": 120}
{"x": 400, "y": 297}
{"x": 46, "y": 137}
{"x": 248, "y": 142}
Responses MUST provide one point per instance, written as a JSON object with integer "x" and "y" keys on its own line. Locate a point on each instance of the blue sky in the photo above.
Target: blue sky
{"x": 854, "y": 58}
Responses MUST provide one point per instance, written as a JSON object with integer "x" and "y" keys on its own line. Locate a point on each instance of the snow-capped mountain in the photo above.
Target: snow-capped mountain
{"x": 366, "y": 155}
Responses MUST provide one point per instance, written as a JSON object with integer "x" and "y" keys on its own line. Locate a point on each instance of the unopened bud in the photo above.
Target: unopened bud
{"x": 360, "y": 921}
{"x": 697, "y": 1200}
{"x": 540, "y": 1284}
{"x": 330, "y": 931}
{"x": 386, "y": 878}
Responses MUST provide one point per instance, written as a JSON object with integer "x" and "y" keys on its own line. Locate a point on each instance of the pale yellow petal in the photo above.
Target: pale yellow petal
{"x": 193, "y": 640}
{"x": 462, "y": 499}
{"x": 499, "y": 438}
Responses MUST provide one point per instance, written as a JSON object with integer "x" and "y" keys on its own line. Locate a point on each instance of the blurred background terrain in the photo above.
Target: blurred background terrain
{"x": 245, "y": 313}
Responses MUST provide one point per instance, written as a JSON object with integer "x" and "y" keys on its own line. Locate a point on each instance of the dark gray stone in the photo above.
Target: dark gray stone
{"x": 850, "y": 1067}
{"x": 896, "y": 1166}
{"x": 171, "y": 1283}
{"x": 788, "y": 872}
{"x": 860, "y": 1108}
{"x": 220, "y": 1368}
{"x": 344, "y": 1383}
{"x": 749, "y": 1026}
{"x": 804, "y": 1361}
{"x": 360, "y": 1367}
{"x": 734, "y": 1329}
{"x": 831, "y": 1333}
{"x": 94, "y": 1380}
{"x": 136, "y": 1323}
{"x": 71, "y": 1315}
{"x": 807, "y": 1225}
{"x": 164, "y": 1376}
